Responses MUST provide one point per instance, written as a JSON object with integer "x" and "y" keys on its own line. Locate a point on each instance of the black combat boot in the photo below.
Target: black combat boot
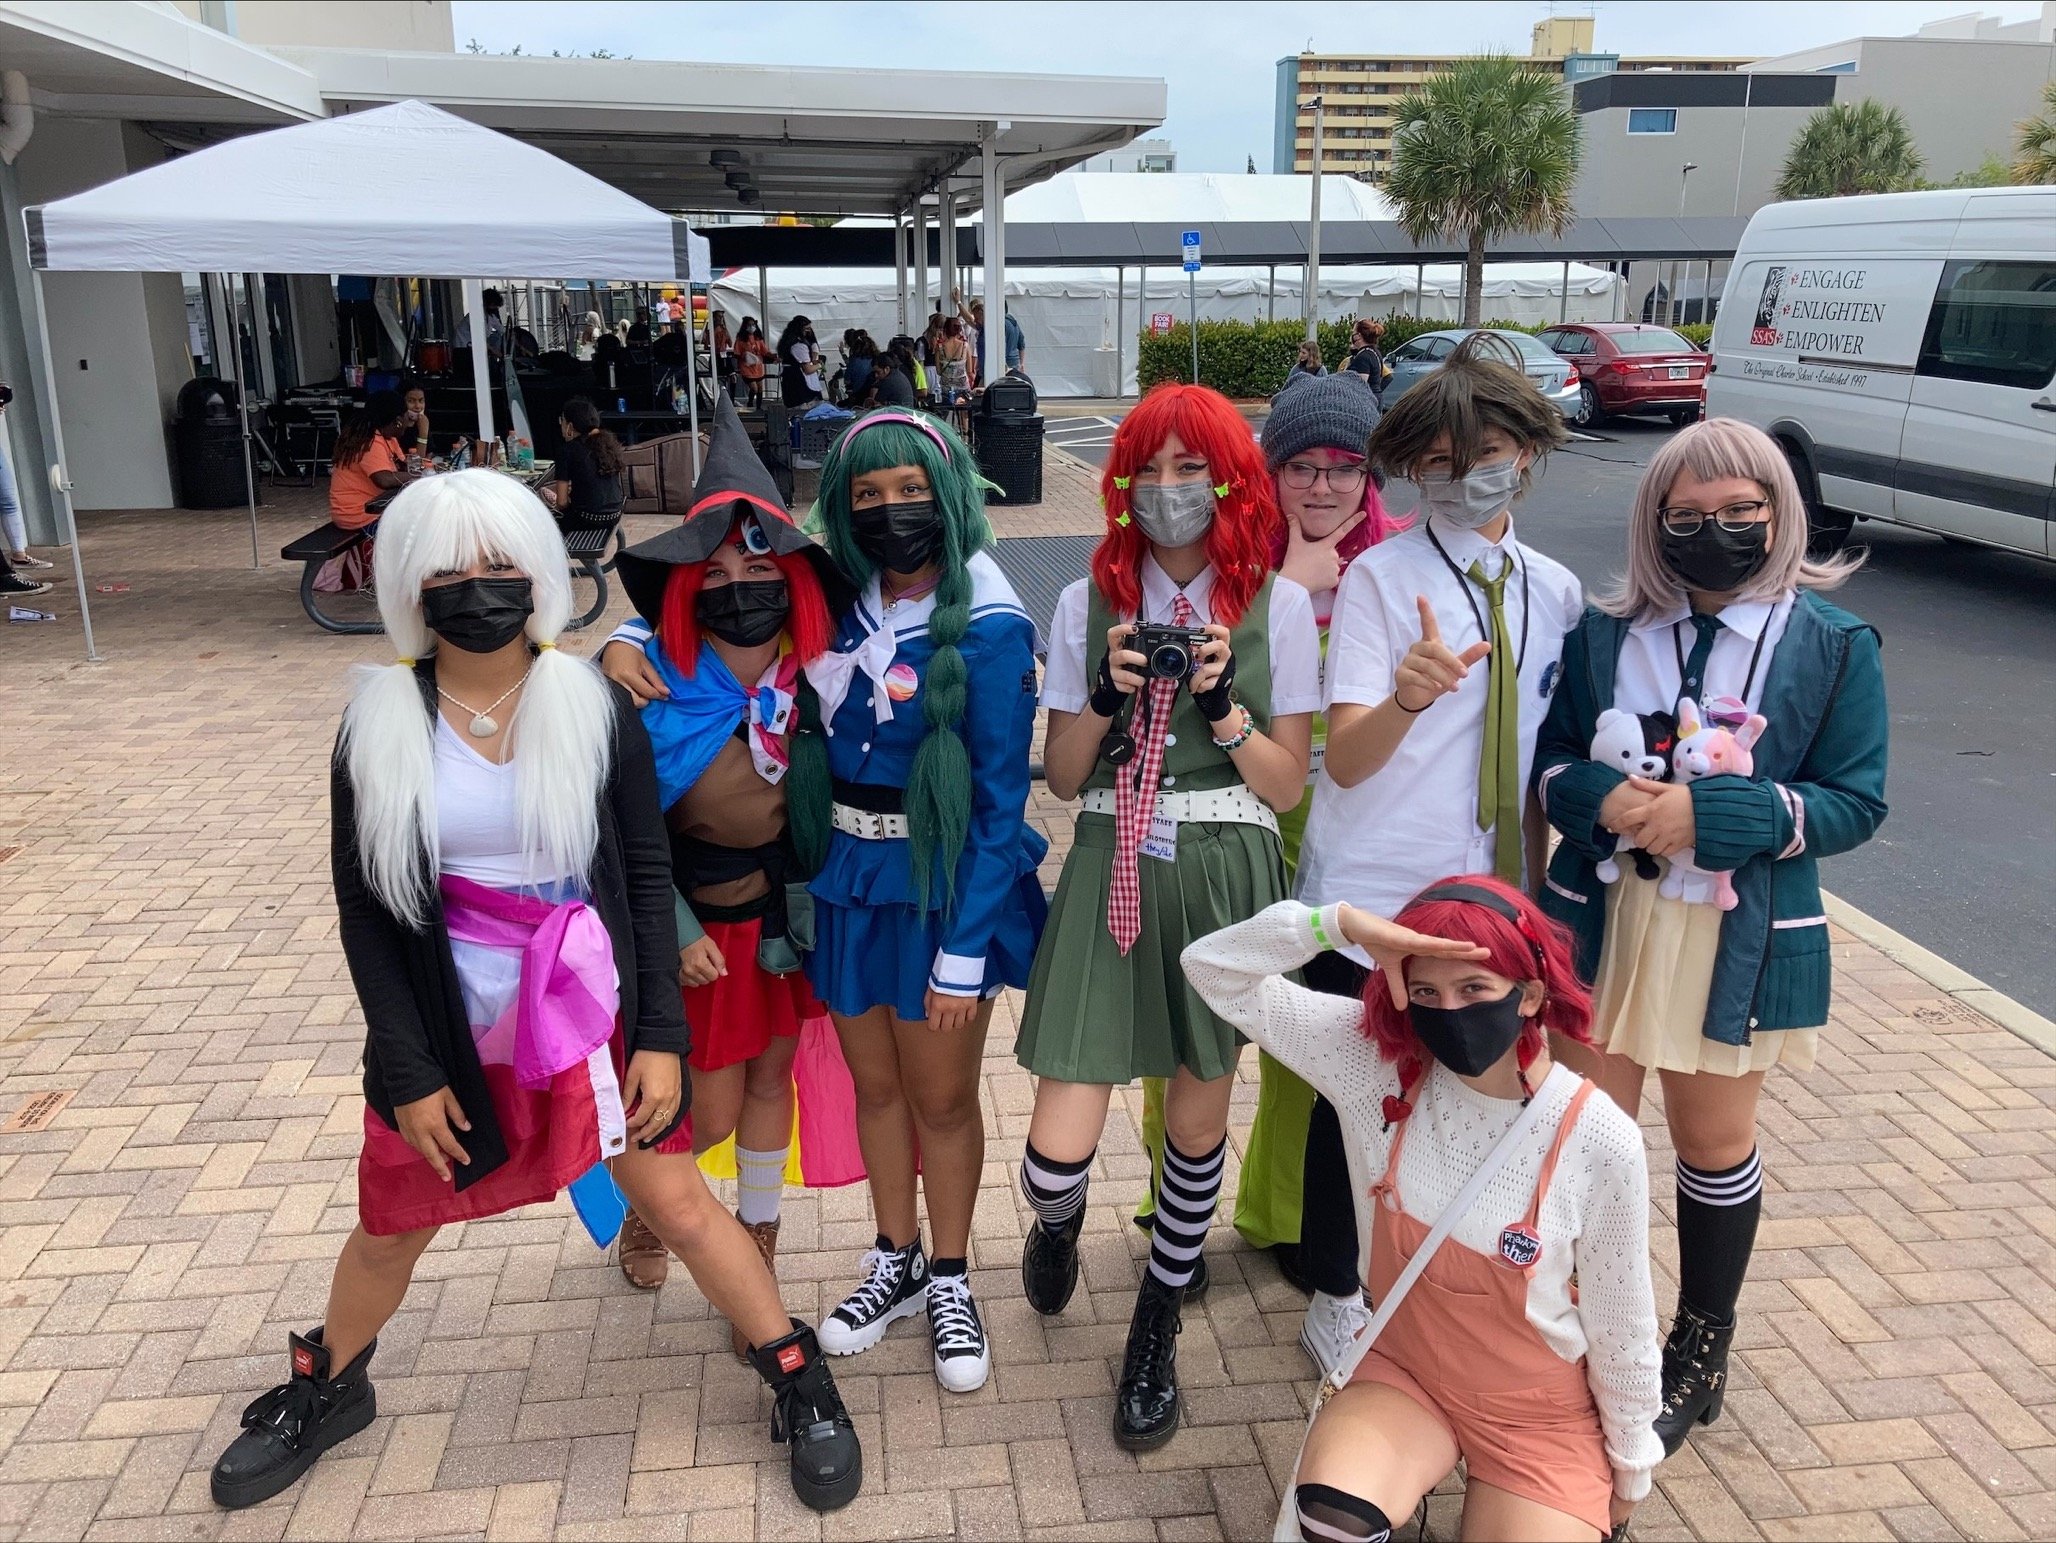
{"x": 1146, "y": 1404}
{"x": 1049, "y": 1264}
{"x": 286, "y": 1429}
{"x": 1695, "y": 1375}
{"x": 827, "y": 1462}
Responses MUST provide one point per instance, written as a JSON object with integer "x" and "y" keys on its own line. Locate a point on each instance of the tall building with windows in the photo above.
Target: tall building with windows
{"x": 1361, "y": 92}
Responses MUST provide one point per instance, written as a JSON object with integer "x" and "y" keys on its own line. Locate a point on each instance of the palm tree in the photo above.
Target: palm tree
{"x": 1486, "y": 149}
{"x": 1851, "y": 147}
{"x": 2035, "y": 150}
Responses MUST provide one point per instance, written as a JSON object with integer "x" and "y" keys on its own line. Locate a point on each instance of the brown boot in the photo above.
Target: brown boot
{"x": 643, "y": 1257}
{"x": 765, "y": 1236}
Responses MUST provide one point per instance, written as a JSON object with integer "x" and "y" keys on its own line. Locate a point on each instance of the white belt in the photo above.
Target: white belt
{"x": 1222, "y": 806}
{"x": 867, "y": 826}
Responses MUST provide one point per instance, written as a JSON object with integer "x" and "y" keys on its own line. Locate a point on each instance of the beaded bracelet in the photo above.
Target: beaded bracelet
{"x": 1242, "y": 738}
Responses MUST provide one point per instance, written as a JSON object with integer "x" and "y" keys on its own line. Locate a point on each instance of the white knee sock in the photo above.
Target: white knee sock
{"x": 760, "y": 1182}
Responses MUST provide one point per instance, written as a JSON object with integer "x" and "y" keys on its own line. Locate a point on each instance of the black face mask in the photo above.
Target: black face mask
{"x": 901, "y": 537}
{"x": 480, "y": 616}
{"x": 746, "y": 612}
{"x": 1469, "y": 1040}
{"x": 1716, "y": 561}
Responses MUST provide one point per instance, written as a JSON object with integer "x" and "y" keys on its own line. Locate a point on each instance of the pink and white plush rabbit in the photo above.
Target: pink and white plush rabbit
{"x": 1706, "y": 748}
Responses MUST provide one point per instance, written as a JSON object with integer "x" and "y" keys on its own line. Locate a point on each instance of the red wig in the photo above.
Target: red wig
{"x": 1238, "y": 546}
{"x": 807, "y": 624}
{"x": 1535, "y": 949}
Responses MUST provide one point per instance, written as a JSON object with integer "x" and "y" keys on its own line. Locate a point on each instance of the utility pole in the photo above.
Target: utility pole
{"x": 1313, "y": 232}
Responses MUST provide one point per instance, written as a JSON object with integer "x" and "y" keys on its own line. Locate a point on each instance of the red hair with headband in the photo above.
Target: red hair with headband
{"x": 1520, "y": 943}
{"x": 1247, "y": 521}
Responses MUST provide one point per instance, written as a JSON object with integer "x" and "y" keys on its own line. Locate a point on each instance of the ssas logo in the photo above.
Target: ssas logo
{"x": 1764, "y": 334}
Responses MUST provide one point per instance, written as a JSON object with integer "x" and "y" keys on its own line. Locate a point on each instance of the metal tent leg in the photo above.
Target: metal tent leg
{"x": 60, "y": 480}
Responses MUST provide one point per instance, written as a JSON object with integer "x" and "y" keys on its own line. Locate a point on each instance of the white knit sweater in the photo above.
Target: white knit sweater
{"x": 1598, "y": 1201}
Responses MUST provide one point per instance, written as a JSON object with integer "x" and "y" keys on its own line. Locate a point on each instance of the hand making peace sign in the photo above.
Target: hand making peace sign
{"x": 1311, "y": 562}
{"x": 1431, "y": 668}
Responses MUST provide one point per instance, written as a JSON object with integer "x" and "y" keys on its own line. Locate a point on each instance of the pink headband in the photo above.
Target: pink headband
{"x": 911, "y": 420}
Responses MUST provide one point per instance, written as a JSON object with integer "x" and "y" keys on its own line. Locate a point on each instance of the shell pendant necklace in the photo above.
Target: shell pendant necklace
{"x": 483, "y": 724}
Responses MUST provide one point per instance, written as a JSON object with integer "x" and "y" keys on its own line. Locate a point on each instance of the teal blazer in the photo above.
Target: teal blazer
{"x": 1819, "y": 789}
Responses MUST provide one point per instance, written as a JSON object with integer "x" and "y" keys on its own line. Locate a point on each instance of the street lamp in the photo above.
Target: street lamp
{"x": 1313, "y": 232}
{"x": 1685, "y": 181}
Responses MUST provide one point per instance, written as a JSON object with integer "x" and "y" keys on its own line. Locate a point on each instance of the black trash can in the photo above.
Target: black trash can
{"x": 1009, "y": 451}
{"x": 211, "y": 472}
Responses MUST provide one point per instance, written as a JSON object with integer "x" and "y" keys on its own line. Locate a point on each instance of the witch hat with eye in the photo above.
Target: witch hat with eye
{"x": 733, "y": 483}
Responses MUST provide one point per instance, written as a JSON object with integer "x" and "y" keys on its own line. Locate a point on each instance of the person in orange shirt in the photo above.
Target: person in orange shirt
{"x": 368, "y": 464}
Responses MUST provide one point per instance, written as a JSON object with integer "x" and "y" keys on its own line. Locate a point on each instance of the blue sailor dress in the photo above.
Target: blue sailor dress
{"x": 874, "y": 943}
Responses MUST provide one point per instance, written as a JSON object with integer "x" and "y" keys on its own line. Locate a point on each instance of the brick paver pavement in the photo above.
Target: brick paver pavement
{"x": 168, "y": 958}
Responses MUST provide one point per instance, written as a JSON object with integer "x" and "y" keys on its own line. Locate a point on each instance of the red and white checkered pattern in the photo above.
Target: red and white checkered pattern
{"x": 1133, "y": 810}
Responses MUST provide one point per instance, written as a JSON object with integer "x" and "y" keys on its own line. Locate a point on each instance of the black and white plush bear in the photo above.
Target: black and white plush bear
{"x": 1635, "y": 745}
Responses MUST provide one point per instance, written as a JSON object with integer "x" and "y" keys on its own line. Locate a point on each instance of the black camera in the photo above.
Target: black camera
{"x": 1172, "y": 652}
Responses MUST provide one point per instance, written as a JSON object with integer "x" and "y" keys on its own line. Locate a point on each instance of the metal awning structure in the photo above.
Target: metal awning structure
{"x": 1247, "y": 243}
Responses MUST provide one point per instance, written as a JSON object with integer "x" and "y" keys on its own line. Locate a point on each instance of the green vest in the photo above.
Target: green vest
{"x": 1195, "y": 764}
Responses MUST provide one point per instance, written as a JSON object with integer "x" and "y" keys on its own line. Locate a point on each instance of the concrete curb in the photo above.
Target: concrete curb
{"x": 1064, "y": 457}
{"x": 1944, "y": 976}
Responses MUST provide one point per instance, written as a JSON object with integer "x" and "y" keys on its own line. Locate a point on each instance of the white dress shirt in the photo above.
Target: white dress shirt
{"x": 1415, "y": 820}
{"x": 1649, "y": 679}
{"x": 1295, "y": 642}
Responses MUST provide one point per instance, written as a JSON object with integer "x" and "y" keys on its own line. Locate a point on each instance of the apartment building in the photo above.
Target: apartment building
{"x": 1361, "y": 92}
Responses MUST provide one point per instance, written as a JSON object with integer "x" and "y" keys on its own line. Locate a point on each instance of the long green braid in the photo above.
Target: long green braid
{"x": 938, "y": 791}
{"x": 809, "y": 792}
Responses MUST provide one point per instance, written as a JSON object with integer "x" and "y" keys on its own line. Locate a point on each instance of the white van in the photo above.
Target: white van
{"x": 1902, "y": 348}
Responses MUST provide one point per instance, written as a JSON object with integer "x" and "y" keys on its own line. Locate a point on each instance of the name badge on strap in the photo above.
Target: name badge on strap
{"x": 1162, "y": 840}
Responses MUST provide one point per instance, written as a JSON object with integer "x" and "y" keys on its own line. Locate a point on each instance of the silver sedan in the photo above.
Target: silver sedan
{"x": 1419, "y": 356}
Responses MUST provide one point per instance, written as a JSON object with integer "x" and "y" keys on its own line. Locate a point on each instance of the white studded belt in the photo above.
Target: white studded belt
{"x": 868, "y": 826}
{"x": 1220, "y": 806}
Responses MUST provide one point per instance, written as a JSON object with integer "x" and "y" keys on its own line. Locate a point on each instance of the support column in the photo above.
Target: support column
{"x": 1120, "y": 331}
{"x": 899, "y": 263}
{"x": 1563, "y": 301}
{"x": 992, "y": 347}
{"x": 1272, "y": 313}
{"x": 481, "y": 369}
{"x": 921, "y": 260}
{"x": 243, "y": 417}
{"x": 59, "y": 481}
{"x": 946, "y": 279}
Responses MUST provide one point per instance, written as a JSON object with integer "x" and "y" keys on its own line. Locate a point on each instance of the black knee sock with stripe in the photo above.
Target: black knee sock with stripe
{"x": 1717, "y": 1216}
{"x": 1186, "y": 1199}
{"x": 1054, "y": 1190}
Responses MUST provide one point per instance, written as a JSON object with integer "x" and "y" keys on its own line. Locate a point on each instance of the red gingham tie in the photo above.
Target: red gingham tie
{"x": 1133, "y": 810}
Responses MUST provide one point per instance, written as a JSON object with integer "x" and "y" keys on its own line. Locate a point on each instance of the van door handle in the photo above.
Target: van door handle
{"x": 2043, "y": 405}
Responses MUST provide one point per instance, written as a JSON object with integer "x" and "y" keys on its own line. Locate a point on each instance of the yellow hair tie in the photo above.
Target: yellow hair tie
{"x": 541, "y": 646}
{"x": 409, "y": 663}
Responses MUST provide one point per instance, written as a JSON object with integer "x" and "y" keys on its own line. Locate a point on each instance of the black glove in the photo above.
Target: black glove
{"x": 1214, "y": 703}
{"x": 1106, "y": 696}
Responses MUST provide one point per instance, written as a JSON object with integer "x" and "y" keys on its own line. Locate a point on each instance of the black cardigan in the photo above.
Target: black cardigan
{"x": 417, "y": 1039}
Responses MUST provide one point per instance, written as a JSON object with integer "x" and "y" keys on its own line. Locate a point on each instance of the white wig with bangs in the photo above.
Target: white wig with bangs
{"x": 1710, "y": 450}
{"x": 561, "y": 737}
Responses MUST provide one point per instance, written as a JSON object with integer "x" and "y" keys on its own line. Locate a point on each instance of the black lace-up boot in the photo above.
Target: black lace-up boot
{"x": 1049, "y": 1264}
{"x": 1695, "y": 1375}
{"x": 1146, "y": 1404}
{"x": 286, "y": 1429}
{"x": 827, "y": 1462}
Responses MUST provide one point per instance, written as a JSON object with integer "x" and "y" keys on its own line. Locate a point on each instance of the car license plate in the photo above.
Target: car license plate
{"x": 1681, "y": 372}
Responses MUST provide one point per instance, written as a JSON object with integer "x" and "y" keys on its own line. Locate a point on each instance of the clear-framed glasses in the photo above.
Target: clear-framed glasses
{"x": 1346, "y": 478}
{"x": 1681, "y": 521}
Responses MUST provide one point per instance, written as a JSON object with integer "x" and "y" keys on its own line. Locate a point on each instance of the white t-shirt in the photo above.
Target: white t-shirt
{"x": 1294, "y": 641}
{"x": 478, "y": 822}
{"x": 1594, "y": 1220}
{"x": 1648, "y": 677}
{"x": 1414, "y": 821}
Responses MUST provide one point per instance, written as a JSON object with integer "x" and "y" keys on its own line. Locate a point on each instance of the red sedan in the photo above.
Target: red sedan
{"x": 1631, "y": 367}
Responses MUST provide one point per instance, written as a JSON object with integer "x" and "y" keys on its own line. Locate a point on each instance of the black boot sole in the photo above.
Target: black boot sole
{"x": 1149, "y": 1441}
{"x": 335, "y": 1430}
{"x": 832, "y": 1496}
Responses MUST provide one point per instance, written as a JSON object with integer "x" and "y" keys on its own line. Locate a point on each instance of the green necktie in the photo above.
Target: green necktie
{"x": 1499, "y": 764}
{"x": 1692, "y": 680}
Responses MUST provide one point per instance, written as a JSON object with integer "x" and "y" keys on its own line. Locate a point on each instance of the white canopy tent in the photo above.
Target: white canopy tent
{"x": 404, "y": 189}
{"x": 1079, "y": 323}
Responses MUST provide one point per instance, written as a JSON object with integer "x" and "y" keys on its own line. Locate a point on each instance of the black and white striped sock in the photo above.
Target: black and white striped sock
{"x": 1054, "y": 1190}
{"x": 1190, "y": 1189}
{"x": 1717, "y": 1215}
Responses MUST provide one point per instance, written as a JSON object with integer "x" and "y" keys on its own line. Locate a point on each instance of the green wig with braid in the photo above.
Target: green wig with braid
{"x": 938, "y": 792}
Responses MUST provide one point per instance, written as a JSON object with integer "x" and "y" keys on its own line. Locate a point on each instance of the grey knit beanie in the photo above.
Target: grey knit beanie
{"x": 1334, "y": 411}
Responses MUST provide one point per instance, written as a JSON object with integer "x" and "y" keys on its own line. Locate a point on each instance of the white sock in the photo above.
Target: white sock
{"x": 760, "y": 1182}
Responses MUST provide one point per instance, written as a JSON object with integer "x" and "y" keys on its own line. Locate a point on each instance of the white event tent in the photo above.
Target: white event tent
{"x": 404, "y": 189}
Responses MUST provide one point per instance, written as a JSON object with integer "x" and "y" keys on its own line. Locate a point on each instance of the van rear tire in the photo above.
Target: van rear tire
{"x": 1827, "y": 530}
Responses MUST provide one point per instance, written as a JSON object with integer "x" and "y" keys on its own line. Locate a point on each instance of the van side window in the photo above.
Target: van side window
{"x": 1993, "y": 322}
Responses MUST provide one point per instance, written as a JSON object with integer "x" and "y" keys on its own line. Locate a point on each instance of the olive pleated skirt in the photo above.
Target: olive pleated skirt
{"x": 1093, "y": 1015}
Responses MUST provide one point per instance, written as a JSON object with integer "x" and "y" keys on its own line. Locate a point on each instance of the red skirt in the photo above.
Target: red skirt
{"x": 735, "y": 1019}
{"x": 552, "y": 1136}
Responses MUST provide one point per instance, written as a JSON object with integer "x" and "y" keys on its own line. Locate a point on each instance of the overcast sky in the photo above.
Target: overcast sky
{"x": 1218, "y": 58}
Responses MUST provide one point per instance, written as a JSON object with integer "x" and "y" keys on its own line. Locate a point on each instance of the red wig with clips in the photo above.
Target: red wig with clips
{"x": 1245, "y": 526}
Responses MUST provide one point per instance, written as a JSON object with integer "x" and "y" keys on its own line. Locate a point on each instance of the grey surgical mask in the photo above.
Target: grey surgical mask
{"x": 1475, "y": 499}
{"x": 1175, "y": 515}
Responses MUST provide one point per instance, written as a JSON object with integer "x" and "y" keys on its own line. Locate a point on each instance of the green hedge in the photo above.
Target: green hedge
{"x": 1251, "y": 359}
{"x": 1698, "y": 333}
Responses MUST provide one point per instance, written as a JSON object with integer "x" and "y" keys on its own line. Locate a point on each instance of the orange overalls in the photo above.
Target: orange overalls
{"x": 1461, "y": 1347}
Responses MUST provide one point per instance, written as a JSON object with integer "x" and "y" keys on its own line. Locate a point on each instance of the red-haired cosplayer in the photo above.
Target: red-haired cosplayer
{"x": 1181, "y": 684}
{"x": 741, "y": 600}
{"x": 1548, "y": 1390}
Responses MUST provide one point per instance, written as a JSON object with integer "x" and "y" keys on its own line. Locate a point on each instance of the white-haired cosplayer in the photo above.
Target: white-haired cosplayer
{"x": 503, "y": 879}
